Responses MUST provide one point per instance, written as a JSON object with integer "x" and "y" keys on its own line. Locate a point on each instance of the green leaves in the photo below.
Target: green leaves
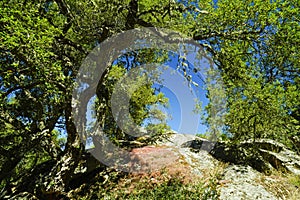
{"x": 142, "y": 106}
{"x": 255, "y": 45}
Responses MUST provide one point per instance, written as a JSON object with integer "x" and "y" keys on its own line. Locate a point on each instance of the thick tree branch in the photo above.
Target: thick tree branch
{"x": 132, "y": 14}
{"x": 66, "y": 11}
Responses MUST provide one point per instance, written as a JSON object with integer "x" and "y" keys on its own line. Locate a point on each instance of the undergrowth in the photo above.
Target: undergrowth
{"x": 158, "y": 185}
{"x": 282, "y": 185}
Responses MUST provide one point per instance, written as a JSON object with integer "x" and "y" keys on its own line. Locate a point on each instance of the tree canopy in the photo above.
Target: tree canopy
{"x": 254, "y": 44}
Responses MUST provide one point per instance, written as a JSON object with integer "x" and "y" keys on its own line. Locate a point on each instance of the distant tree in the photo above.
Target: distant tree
{"x": 139, "y": 107}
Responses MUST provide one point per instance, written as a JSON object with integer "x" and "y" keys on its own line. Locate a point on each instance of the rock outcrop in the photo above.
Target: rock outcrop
{"x": 194, "y": 157}
{"x": 262, "y": 155}
{"x": 242, "y": 184}
{"x": 239, "y": 179}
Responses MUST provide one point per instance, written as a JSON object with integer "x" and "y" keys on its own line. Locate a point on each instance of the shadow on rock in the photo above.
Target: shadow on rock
{"x": 262, "y": 155}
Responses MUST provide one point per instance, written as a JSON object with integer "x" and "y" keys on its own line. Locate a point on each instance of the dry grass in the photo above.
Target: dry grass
{"x": 175, "y": 180}
{"x": 283, "y": 185}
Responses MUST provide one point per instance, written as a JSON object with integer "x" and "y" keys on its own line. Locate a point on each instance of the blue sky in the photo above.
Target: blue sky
{"x": 182, "y": 99}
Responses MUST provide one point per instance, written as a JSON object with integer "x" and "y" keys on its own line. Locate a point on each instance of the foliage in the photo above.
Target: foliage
{"x": 140, "y": 109}
{"x": 254, "y": 44}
